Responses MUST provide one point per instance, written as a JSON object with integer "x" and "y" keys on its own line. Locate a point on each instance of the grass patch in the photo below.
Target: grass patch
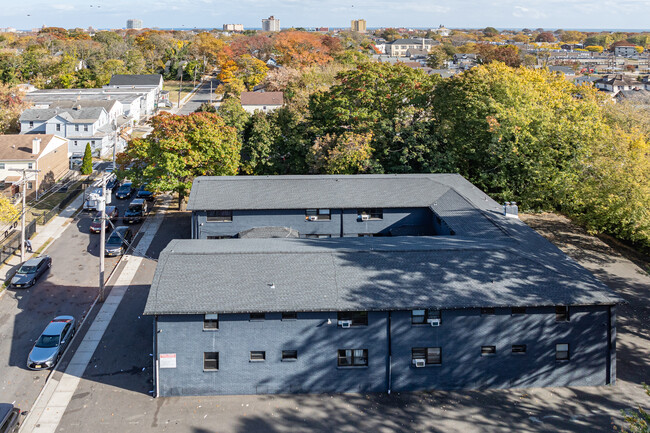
{"x": 173, "y": 86}
{"x": 42, "y": 248}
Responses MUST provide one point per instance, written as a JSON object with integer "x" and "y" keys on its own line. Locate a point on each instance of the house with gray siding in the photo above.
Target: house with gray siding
{"x": 453, "y": 293}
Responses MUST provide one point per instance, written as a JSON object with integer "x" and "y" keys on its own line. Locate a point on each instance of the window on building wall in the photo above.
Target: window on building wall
{"x": 211, "y": 360}
{"x": 352, "y": 318}
{"x": 30, "y": 165}
{"x": 257, "y": 316}
{"x": 317, "y": 236}
{"x": 218, "y": 237}
{"x": 2, "y": 165}
{"x": 211, "y": 322}
{"x": 58, "y": 126}
{"x": 76, "y": 128}
{"x": 562, "y": 313}
{"x": 518, "y": 349}
{"x": 289, "y": 355}
{"x": 488, "y": 350}
{"x": 31, "y": 124}
{"x": 421, "y": 317}
{"x": 92, "y": 142}
{"x": 30, "y": 185}
{"x": 258, "y": 355}
{"x": 518, "y": 310}
{"x": 370, "y": 214}
{"x": 487, "y": 311}
{"x": 219, "y": 216}
{"x": 318, "y": 215}
{"x": 76, "y": 142}
{"x": 365, "y": 235}
{"x": 562, "y": 352}
{"x": 430, "y": 355}
{"x": 289, "y": 315}
{"x": 85, "y": 128}
{"x": 353, "y": 357}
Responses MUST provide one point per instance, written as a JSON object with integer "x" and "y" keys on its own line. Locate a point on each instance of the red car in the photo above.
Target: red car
{"x": 112, "y": 213}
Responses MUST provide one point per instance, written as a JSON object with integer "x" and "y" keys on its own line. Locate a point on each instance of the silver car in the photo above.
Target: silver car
{"x": 52, "y": 343}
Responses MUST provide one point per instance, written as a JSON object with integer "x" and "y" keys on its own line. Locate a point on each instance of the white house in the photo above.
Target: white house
{"x": 399, "y": 47}
{"x": 261, "y": 101}
{"x": 617, "y": 82}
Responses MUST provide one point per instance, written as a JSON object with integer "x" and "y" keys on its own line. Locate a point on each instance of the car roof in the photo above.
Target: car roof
{"x": 54, "y": 328}
{"x": 138, "y": 201}
{"x": 5, "y": 408}
{"x": 126, "y": 184}
{"x": 120, "y": 229}
{"x": 34, "y": 261}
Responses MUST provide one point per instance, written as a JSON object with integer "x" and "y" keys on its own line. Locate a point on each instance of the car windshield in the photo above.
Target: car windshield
{"x": 27, "y": 269}
{"x": 97, "y": 220}
{"x": 135, "y": 208}
{"x": 48, "y": 341}
{"x": 114, "y": 239}
{"x": 125, "y": 187}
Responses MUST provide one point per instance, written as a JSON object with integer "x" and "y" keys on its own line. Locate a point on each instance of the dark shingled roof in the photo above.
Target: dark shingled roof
{"x": 366, "y": 274}
{"x": 135, "y": 80}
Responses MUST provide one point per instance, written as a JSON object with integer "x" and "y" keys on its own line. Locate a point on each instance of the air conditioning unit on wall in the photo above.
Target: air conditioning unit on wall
{"x": 433, "y": 322}
{"x": 345, "y": 323}
{"x": 365, "y": 217}
{"x": 419, "y": 363}
{"x": 312, "y": 218}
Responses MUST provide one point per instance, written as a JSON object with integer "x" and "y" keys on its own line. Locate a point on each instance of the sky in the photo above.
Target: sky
{"x": 516, "y": 14}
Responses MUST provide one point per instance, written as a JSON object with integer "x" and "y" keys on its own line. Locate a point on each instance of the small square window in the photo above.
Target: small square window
{"x": 421, "y": 317}
{"x": 85, "y": 128}
{"x": 487, "y": 311}
{"x": 518, "y": 349}
{"x": 430, "y": 355}
{"x": 561, "y": 313}
{"x": 211, "y": 360}
{"x": 488, "y": 350}
{"x": 354, "y": 318}
{"x": 31, "y": 124}
{"x": 289, "y": 355}
{"x": 562, "y": 352}
{"x": 2, "y": 165}
{"x": 257, "y": 316}
{"x": 289, "y": 316}
{"x": 30, "y": 185}
{"x": 353, "y": 357}
{"x": 318, "y": 215}
{"x": 58, "y": 126}
{"x": 211, "y": 322}
{"x": 30, "y": 165}
{"x": 76, "y": 128}
{"x": 219, "y": 216}
{"x": 258, "y": 355}
{"x": 518, "y": 310}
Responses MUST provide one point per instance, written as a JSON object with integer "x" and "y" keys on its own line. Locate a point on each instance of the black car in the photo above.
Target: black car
{"x": 125, "y": 191}
{"x": 9, "y": 418}
{"x": 112, "y": 183}
{"x": 136, "y": 211}
{"x": 144, "y": 193}
{"x": 30, "y": 271}
{"x": 118, "y": 242}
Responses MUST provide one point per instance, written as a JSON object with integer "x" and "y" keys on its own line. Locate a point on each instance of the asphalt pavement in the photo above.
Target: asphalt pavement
{"x": 69, "y": 287}
{"x": 201, "y": 96}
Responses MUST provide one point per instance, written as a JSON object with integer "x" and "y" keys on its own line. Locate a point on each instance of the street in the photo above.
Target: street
{"x": 201, "y": 96}
{"x": 69, "y": 287}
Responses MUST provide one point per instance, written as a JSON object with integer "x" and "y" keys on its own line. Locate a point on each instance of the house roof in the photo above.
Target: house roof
{"x": 365, "y": 274}
{"x": 135, "y": 80}
{"x": 73, "y": 115}
{"x": 19, "y": 146}
{"x": 262, "y": 98}
{"x": 106, "y": 104}
{"x": 411, "y": 42}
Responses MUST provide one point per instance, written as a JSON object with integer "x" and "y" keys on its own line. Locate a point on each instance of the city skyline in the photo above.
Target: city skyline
{"x": 570, "y": 14}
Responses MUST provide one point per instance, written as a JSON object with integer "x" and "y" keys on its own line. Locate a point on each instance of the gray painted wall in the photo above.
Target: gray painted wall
{"x": 413, "y": 221}
{"x": 460, "y": 336}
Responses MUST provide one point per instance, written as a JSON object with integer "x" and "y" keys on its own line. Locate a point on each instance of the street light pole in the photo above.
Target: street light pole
{"x": 102, "y": 240}
{"x": 23, "y": 193}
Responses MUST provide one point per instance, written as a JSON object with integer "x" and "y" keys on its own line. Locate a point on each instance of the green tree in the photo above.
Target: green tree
{"x": 181, "y": 148}
{"x": 87, "y": 162}
{"x": 508, "y": 54}
{"x": 348, "y": 153}
{"x": 437, "y": 57}
{"x": 490, "y": 32}
{"x": 206, "y": 107}
{"x": 11, "y": 107}
{"x": 234, "y": 115}
{"x": 638, "y": 422}
{"x": 260, "y": 137}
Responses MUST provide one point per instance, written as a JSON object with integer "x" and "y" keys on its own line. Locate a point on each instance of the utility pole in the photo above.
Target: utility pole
{"x": 23, "y": 193}
{"x": 115, "y": 144}
{"x": 102, "y": 240}
{"x": 179, "y": 89}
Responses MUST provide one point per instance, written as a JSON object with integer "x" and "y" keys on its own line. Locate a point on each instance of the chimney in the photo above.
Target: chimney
{"x": 36, "y": 146}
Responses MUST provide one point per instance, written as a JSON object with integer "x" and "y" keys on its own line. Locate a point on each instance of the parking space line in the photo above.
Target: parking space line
{"x": 48, "y": 411}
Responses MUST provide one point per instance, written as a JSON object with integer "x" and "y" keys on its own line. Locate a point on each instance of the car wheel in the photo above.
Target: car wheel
{"x": 49, "y": 265}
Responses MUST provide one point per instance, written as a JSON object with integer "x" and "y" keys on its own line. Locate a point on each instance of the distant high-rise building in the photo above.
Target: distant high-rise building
{"x": 233, "y": 27}
{"x": 134, "y": 24}
{"x": 359, "y": 26}
{"x": 271, "y": 24}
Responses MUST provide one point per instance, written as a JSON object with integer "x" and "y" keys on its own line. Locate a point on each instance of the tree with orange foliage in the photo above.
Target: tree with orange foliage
{"x": 215, "y": 51}
{"x": 301, "y": 49}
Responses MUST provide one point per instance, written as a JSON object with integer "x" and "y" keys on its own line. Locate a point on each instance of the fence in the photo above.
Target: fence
{"x": 12, "y": 244}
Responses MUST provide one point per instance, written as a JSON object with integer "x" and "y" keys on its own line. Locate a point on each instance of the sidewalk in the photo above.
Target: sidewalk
{"x": 44, "y": 236}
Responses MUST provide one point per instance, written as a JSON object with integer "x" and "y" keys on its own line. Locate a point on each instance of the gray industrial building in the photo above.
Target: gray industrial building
{"x": 479, "y": 300}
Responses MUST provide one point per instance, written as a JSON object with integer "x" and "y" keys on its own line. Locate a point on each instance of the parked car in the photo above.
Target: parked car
{"x": 136, "y": 211}
{"x": 118, "y": 242}
{"x": 9, "y": 418}
{"x": 110, "y": 168}
{"x": 112, "y": 183}
{"x": 112, "y": 213}
{"x": 125, "y": 191}
{"x": 52, "y": 343}
{"x": 144, "y": 193}
{"x": 30, "y": 271}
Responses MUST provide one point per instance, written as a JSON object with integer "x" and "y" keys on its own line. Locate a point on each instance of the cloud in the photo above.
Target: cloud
{"x": 63, "y": 7}
{"x": 522, "y": 12}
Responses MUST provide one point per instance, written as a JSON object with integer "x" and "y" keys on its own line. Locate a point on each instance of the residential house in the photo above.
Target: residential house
{"x": 616, "y": 82}
{"x": 624, "y": 48}
{"x": 261, "y": 101}
{"x": 417, "y": 54}
{"x": 426, "y": 283}
{"x": 79, "y": 125}
{"x": 464, "y": 61}
{"x": 399, "y": 47}
{"x": 45, "y": 152}
{"x": 636, "y": 97}
{"x": 151, "y": 83}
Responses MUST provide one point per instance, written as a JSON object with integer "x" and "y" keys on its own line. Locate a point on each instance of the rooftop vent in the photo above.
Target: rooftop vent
{"x": 510, "y": 209}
